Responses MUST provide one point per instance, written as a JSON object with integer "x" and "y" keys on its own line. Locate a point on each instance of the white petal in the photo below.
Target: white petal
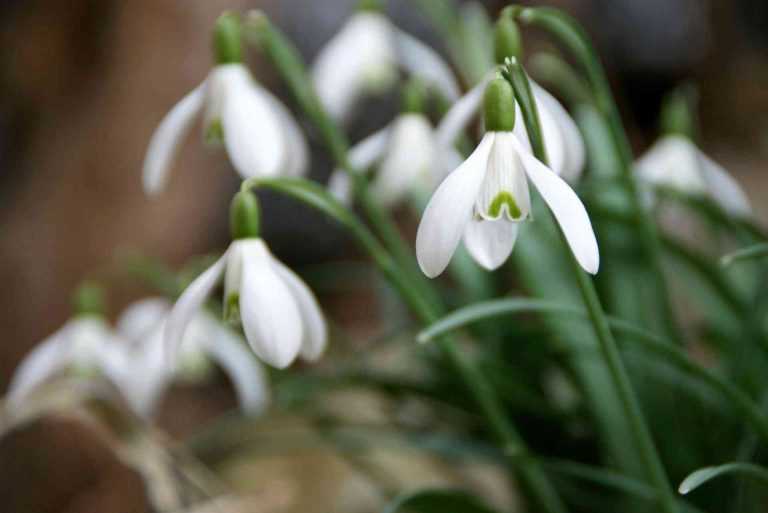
{"x": 46, "y": 359}
{"x": 361, "y": 157}
{"x": 315, "y": 329}
{"x": 269, "y": 313}
{"x": 567, "y": 209}
{"x": 188, "y": 305}
{"x": 550, "y": 131}
{"x": 410, "y": 159}
{"x": 490, "y": 242}
{"x": 458, "y": 117}
{"x": 575, "y": 151}
{"x": 723, "y": 189}
{"x": 672, "y": 162}
{"x": 253, "y": 132}
{"x": 423, "y": 62}
{"x": 167, "y": 138}
{"x": 247, "y": 375}
{"x": 449, "y": 210}
{"x": 297, "y": 153}
{"x": 141, "y": 318}
{"x": 360, "y": 57}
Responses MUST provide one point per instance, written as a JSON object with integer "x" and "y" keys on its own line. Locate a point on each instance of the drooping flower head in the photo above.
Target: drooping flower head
{"x": 486, "y": 198}
{"x": 258, "y": 131}
{"x": 364, "y": 57}
{"x": 674, "y": 161}
{"x": 404, "y": 154}
{"x": 278, "y": 312}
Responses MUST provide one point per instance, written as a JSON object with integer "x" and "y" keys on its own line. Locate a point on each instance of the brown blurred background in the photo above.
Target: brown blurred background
{"x": 85, "y": 82}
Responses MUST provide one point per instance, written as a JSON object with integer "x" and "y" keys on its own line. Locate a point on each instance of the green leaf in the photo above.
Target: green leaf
{"x": 703, "y": 475}
{"x": 748, "y": 253}
{"x": 437, "y": 501}
{"x": 649, "y": 341}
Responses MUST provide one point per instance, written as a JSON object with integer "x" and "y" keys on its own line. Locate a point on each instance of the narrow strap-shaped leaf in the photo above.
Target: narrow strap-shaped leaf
{"x": 703, "y": 475}
{"x": 672, "y": 355}
{"x": 437, "y": 501}
{"x": 748, "y": 253}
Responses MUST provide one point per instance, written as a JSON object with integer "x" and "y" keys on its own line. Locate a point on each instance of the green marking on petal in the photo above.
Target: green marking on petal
{"x": 232, "y": 309}
{"x": 214, "y": 133}
{"x": 501, "y": 199}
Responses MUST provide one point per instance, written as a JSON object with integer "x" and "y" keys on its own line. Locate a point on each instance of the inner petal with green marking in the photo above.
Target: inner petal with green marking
{"x": 505, "y": 188}
{"x": 504, "y": 201}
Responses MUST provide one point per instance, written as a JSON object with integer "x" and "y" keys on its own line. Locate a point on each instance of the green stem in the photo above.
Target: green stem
{"x": 644, "y": 443}
{"x": 572, "y": 35}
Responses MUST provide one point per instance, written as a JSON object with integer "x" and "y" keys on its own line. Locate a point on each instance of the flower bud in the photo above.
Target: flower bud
{"x": 506, "y": 39}
{"x": 227, "y": 43}
{"x": 499, "y": 106}
{"x": 244, "y": 216}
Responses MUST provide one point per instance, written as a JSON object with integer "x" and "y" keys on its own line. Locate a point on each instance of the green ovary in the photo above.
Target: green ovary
{"x": 501, "y": 199}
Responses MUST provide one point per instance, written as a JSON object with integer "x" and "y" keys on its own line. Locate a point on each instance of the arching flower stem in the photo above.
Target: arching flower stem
{"x": 647, "y": 452}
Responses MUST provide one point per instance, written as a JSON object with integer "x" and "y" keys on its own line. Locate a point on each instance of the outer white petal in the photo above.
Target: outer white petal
{"x": 269, "y": 313}
{"x": 672, "y": 162}
{"x": 490, "y": 242}
{"x": 567, "y": 209}
{"x": 49, "y": 357}
{"x": 362, "y": 156}
{"x": 359, "y": 56}
{"x": 410, "y": 159}
{"x": 297, "y": 152}
{"x": 458, "y": 117}
{"x": 315, "y": 329}
{"x": 421, "y": 61}
{"x": 168, "y": 137}
{"x": 138, "y": 370}
{"x": 188, "y": 305}
{"x": 723, "y": 189}
{"x": 247, "y": 375}
{"x": 575, "y": 150}
{"x": 253, "y": 130}
{"x": 449, "y": 210}
{"x": 550, "y": 131}
{"x": 141, "y": 318}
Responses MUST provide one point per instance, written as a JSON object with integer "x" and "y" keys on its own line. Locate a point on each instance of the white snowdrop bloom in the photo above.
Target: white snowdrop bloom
{"x": 405, "y": 154}
{"x": 77, "y": 346}
{"x": 259, "y": 133}
{"x": 564, "y": 143}
{"x": 140, "y": 370}
{"x": 486, "y": 198}
{"x": 365, "y": 57}
{"x": 674, "y": 161}
{"x": 279, "y": 314}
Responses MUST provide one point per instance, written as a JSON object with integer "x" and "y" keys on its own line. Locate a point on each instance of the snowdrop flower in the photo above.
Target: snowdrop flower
{"x": 486, "y": 198}
{"x": 364, "y": 57}
{"x": 77, "y": 346}
{"x": 280, "y": 315}
{"x": 407, "y": 158}
{"x": 674, "y": 161}
{"x": 565, "y": 146}
{"x": 259, "y": 133}
{"x": 138, "y": 367}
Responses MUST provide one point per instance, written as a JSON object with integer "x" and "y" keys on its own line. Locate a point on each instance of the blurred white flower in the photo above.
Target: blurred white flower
{"x": 674, "y": 161}
{"x": 279, "y": 314}
{"x": 77, "y": 346}
{"x": 138, "y": 367}
{"x": 564, "y": 144}
{"x": 405, "y": 153}
{"x": 486, "y": 198}
{"x": 365, "y": 56}
{"x": 259, "y": 133}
